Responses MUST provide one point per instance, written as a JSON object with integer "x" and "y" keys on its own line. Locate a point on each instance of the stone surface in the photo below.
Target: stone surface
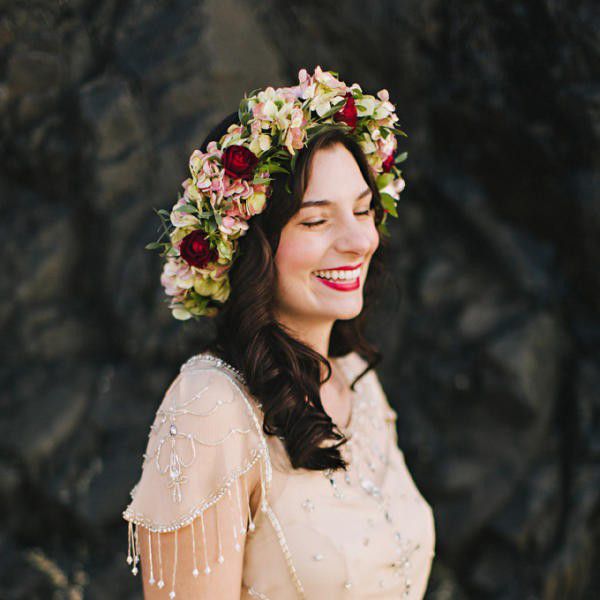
{"x": 489, "y": 328}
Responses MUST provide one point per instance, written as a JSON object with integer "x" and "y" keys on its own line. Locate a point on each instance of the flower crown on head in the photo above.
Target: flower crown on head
{"x": 229, "y": 182}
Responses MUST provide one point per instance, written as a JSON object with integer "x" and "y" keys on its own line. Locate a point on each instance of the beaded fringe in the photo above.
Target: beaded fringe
{"x": 239, "y": 529}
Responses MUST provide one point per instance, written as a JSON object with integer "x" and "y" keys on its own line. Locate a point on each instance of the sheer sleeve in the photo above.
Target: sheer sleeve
{"x": 190, "y": 509}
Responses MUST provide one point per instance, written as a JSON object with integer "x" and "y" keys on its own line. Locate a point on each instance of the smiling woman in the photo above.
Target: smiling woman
{"x": 272, "y": 468}
{"x": 332, "y": 238}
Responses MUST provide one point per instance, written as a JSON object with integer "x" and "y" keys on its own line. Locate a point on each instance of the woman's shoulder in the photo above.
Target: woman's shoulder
{"x": 205, "y": 433}
{"x": 205, "y": 381}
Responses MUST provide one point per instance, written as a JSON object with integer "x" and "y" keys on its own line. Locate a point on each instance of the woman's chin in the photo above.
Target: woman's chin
{"x": 342, "y": 310}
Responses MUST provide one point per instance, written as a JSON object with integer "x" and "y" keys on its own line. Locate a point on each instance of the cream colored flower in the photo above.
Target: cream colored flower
{"x": 225, "y": 248}
{"x": 181, "y": 219}
{"x": 223, "y": 290}
{"x": 256, "y": 203}
{"x": 260, "y": 143}
{"x": 180, "y": 313}
{"x": 367, "y": 144}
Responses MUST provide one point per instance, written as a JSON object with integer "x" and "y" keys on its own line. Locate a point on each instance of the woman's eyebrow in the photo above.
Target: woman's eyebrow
{"x": 308, "y": 203}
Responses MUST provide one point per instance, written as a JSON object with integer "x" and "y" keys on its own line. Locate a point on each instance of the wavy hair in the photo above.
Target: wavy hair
{"x": 282, "y": 372}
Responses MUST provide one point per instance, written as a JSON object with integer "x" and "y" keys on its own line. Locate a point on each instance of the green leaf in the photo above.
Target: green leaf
{"x": 399, "y": 132}
{"x": 275, "y": 168}
{"x": 164, "y": 224}
{"x": 187, "y": 208}
{"x": 254, "y": 92}
{"x": 383, "y": 229}
{"x": 400, "y": 158}
{"x": 293, "y": 162}
{"x": 384, "y": 180}
{"x": 389, "y": 203}
{"x": 154, "y": 245}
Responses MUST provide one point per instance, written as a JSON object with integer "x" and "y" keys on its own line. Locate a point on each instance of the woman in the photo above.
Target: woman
{"x": 272, "y": 468}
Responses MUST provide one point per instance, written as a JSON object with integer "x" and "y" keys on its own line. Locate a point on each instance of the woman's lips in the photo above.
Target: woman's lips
{"x": 345, "y": 286}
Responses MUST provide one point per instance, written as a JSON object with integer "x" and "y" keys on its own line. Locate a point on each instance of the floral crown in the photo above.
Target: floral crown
{"x": 229, "y": 182}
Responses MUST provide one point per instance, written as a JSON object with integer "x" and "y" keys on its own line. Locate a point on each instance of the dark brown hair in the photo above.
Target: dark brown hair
{"x": 282, "y": 372}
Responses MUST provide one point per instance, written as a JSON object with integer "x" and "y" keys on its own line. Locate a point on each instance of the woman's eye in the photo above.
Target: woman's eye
{"x": 315, "y": 223}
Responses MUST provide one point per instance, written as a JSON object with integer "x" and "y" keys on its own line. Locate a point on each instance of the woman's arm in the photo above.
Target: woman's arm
{"x": 202, "y": 478}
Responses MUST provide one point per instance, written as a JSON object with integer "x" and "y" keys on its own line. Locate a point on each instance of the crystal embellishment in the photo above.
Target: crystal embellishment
{"x": 308, "y": 505}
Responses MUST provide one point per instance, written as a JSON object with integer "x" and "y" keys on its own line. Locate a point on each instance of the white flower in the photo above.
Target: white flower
{"x": 394, "y": 188}
{"x": 368, "y": 103}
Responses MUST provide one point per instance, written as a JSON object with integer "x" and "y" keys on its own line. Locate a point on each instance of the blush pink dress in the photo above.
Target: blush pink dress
{"x": 364, "y": 533}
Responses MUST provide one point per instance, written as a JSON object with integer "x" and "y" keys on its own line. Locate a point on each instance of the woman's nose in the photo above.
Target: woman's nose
{"x": 354, "y": 236}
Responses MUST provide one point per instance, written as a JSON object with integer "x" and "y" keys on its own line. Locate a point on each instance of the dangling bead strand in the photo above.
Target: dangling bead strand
{"x": 172, "y": 592}
{"x": 251, "y": 526}
{"x": 239, "y": 503}
{"x": 132, "y": 552}
{"x": 221, "y": 558}
{"x": 195, "y": 571}
{"x": 207, "y": 567}
{"x": 151, "y": 580}
{"x": 160, "y": 583}
{"x": 129, "y": 536}
{"x": 233, "y": 518}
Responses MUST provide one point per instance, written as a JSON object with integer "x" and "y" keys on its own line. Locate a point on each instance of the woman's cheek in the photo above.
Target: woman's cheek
{"x": 298, "y": 253}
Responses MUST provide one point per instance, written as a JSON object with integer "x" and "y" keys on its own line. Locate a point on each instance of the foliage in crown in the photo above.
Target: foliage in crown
{"x": 230, "y": 182}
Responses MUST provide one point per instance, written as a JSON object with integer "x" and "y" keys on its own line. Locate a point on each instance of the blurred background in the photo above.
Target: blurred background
{"x": 491, "y": 341}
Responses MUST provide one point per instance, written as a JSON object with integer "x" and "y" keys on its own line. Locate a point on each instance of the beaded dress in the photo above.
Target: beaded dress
{"x": 364, "y": 533}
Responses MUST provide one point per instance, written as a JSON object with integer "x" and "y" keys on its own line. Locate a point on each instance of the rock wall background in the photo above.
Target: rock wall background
{"x": 492, "y": 344}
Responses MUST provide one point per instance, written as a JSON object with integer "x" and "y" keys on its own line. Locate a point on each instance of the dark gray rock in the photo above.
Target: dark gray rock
{"x": 490, "y": 327}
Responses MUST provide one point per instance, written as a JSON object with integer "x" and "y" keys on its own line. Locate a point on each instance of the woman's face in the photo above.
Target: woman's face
{"x": 333, "y": 230}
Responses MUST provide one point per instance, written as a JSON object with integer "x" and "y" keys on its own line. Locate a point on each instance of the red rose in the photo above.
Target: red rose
{"x": 196, "y": 251}
{"x": 239, "y": 162}
{"x": 348, "y": 113}
{"x": 388, "y": 163}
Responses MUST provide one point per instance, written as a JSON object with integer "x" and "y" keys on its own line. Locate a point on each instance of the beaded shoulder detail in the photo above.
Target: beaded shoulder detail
{"x": 197, "y": 359}
{"x": 205, "y": 435}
